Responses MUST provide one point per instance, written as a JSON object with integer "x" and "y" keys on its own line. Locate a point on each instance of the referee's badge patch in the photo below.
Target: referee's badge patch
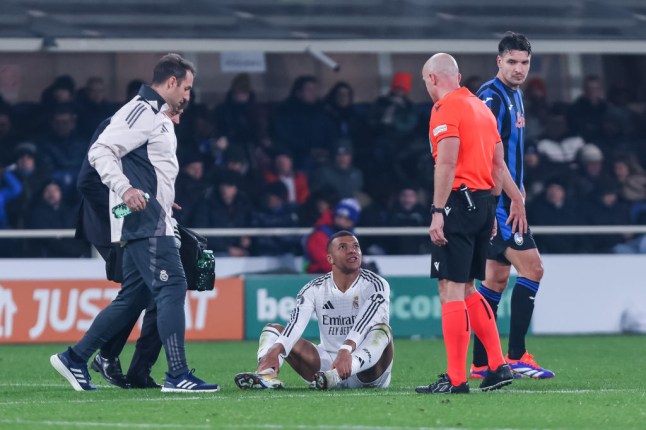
{"x": 518, "y": 238}
{"x": 439, "y": 129}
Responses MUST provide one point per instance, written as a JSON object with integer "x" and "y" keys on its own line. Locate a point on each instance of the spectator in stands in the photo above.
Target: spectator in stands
{"x": 347, "y": 123}
{"x": 224, "y": 206}
{"x": 283, "y": 171}
{"x": 190, "y": 186}
{"x": 9, "y": 137}
{"x": 604, "y": 208}
{"x": 301, "y": 125}
{"x": 10, "y": 188}
{"x": 615, "y": 134}
{"x": 586, "y": 113}
{"x": 63, "y": 149}
{"x": 202, "y": 138}
{"x": 534, "y": 173}
{"x": 240, "y": 118}
{"x": 341, "y": 175}
{"x": 317, "y": 204}
{"x": 558, "y": 145}
{"x": 408, "y": 212}
{"x": 631, "y": 178}
{"x": 275, "y": 212}
{"x": 619, "y": 98}
{"x": 33, "y": 176}
{"x": 393, "y": 118}
{"x": 61, "y": 91}
{"x": 93, "y": 107}
{"x": 591, "y": 173}
{"x": 344, "y": 217}
{"x": 51, "y": 212}
{"x": 236, "y": 160}
{"x": 553, "y": 208}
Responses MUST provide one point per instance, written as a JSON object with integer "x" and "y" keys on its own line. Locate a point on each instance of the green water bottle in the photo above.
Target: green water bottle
{"x": 206, "y": 271}
{"x": 122, "y": 209}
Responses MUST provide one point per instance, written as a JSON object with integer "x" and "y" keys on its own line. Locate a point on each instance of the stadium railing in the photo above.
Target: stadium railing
{"x": 360, "y": 231}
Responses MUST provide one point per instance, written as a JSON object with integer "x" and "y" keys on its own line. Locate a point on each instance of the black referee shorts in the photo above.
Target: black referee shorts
{"x": 468, "y": 232}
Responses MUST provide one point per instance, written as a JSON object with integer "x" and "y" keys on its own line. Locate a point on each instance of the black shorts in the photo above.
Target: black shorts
{"x": 505, "y": 239}
{"x": 463, "y": 258}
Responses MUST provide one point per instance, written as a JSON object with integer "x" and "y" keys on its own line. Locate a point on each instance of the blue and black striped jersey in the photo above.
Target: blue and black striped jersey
{"x": 507, "y": 106}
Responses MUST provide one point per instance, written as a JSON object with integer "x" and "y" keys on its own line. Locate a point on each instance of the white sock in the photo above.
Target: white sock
{"x": 370, "y": 350}
{"x": 267, "y": 340}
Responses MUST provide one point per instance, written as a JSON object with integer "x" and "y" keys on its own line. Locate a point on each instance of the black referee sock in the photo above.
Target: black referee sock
{"x": 522, "y": 309}
{"x": 479, "y": 352}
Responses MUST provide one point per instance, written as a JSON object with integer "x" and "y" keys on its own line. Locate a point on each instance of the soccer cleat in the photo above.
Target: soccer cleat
{"x": 110, "y": 369}
{"x": 527, "y": 366}
{"x": 443, "y": 386}
{"x": 188, "y": 383}
{"x": 326, "y": 380}
{"x": 142, "y": 381}
{"x": 76, "y": 373}
{"x": 256, "y": 381}
{"x": 495, "y": 379}
{"x": 478, "y": 372}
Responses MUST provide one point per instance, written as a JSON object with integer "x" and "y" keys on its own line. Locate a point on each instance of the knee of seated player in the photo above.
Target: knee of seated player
{"x": 275, "y": 326}
{"x": 383, "y": 327}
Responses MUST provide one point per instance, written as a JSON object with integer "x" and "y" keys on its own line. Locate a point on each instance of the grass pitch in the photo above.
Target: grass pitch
{"x": 600, "y": 383}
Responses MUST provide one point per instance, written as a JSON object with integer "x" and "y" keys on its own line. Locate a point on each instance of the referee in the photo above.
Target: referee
{"x": 469, "y": 170}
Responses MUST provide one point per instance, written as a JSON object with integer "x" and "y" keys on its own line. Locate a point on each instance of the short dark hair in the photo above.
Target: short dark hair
{"x": 514, "y": 42}
{"x": 341, "y": 233}
{"x": 171, "y": 65}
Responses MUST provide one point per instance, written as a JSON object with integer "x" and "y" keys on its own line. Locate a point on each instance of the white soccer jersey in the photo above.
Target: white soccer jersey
{"x": 341, "y": 316}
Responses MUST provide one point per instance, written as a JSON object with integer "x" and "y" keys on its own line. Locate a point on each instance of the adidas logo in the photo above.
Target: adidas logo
{"x": 187, "y": 385}
{"x": 328, "y": 305}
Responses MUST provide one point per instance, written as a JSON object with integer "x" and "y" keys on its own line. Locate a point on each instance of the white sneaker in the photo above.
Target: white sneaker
{"x": 255, "y": 381}
{"x": 327, "y": 380}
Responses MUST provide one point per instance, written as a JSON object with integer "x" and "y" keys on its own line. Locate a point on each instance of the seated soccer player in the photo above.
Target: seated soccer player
{"x": 352, "y": 308}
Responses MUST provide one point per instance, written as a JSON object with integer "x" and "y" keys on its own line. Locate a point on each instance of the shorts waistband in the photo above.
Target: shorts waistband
{"x": 477, "y": 194}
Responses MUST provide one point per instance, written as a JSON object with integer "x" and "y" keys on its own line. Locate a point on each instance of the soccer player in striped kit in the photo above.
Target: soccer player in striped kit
{"x": 505, "y": 99}
{"x": 352, "y": 308}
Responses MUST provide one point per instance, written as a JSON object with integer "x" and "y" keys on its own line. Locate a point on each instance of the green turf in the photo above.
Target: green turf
{"x": 600, "y": 384}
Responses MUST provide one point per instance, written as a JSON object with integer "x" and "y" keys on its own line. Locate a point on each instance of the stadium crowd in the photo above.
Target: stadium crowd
{"x": 309, "y": 161}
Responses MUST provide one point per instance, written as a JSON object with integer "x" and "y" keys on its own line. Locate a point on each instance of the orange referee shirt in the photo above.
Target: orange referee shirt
{"x": 461, "y": 114}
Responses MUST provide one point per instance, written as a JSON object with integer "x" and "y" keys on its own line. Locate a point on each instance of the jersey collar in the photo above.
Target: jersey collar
{"x": 152, "y": 97}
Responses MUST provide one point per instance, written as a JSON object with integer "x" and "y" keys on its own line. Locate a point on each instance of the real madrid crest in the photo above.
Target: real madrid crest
{"x": 163, "y": 276}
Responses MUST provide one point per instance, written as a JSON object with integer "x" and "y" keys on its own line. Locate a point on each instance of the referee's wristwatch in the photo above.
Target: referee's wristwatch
{"x": 436, "y": 210}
